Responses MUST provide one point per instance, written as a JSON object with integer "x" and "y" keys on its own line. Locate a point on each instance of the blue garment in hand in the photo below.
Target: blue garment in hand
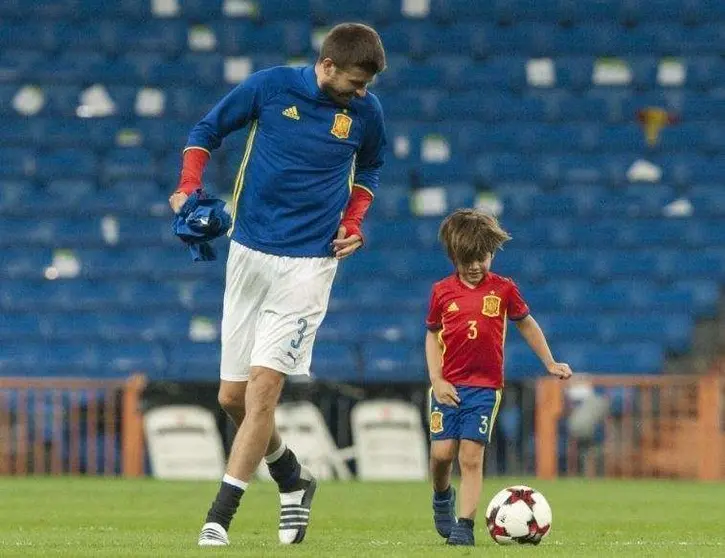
{"x": 201, "y": 220}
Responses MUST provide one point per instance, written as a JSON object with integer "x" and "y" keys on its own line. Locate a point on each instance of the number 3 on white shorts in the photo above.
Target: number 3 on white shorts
{"x": 300, "y": 332}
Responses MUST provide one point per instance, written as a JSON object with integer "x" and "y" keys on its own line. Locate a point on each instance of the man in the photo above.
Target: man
{"x": 307, "y": 177}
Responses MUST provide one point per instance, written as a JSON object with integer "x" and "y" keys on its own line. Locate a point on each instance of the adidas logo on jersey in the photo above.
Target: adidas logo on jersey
{"x": 452, "y": 307}
{"x": 291, "y": 112}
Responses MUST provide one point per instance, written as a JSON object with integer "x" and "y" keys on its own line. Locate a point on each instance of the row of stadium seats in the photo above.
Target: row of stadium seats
{"x": 154, "y": 138}
{"x": 79, "y": 168}
{"x": 369, "y": 362}
{"x": 531, "y": 264}
{"x": 171, "y": 326}
{"x": 128, "y": 291}
{"x": 598, "y": 107}
{"x": 522, "y": 201}
{"x": 577, "y": 71}
{"x": 419, "y": 39}
{"x": 651, "y": 239}
{"x": 627, "y": 12}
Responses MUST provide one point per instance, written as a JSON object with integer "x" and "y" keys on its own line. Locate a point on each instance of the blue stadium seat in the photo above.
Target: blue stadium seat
{"x": 202, "y": 10}
{"x": 21, "y": 263}
{"x": 190, "y": 104}
{"x": 164, "y": 135}
{"x": 631, "y": 358}
{"x": 128, "y": 162}
{"x": 391, "y": 200}
{"x": 73, "y": 326}
{"x": 15, "y": 193}
{"x": 333, "y": 362}
{"x": 569, "y": 327}
{"x": 167, "y": 36}
{"x": 708, "y": 199}
{"x": 38, "y": 34}
{"x": 234, "y": 36}
{"x": 394, "y": 362}
{"x": 68, "y": 163}
{"x": 145, "y": 231}
{"x": 17, "y": 327}
{"x": 276, "y": 10}
{"x": 574, "y": 74}
{"x": 703, "y": 71}
{"x": 413, "y": 38}
{"x": 69, "y": 68}
{"x": 124, "y": 359}
{"x": 166, "y": 327}
{"x": 72, "y": 190}
{"x": 17, "y": 163}
{"x": 672, "y": 12}
{"x": 193, "y": 361}
{"x": 520, "y": 361}
{"x": 674, "y": 330}
{"x": 461, "y": 11}
{"x": 122, "y": 10}
{"x": 204, "y": 69}
{"x": 291, "y": 37}
{"x": 203, "y": 296}
{"x": 150, "y": 295}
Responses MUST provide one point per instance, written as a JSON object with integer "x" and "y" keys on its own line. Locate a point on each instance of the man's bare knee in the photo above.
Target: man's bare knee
{"x": 231, "y": 399}
{"x": 264, "y": 389}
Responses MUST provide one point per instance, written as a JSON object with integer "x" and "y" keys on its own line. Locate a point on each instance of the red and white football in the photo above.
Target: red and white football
{"x": 518, "y": 515}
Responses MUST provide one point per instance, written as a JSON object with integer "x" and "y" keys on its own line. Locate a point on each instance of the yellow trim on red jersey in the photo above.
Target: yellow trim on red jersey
{"x": 239, "y": 181}
{"x": 442, "y": 344}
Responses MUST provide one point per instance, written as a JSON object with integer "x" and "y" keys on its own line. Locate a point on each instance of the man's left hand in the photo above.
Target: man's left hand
{"x": 342, "y": 247}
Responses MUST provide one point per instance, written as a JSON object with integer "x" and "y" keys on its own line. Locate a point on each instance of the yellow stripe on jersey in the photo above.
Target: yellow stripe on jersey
{"x": 442, "y": 343}
{"x": 494, "y": 413}
{"x": 351, "y": 178}
{"x": 503, "y": 334}
{"x": 239, "y": 181}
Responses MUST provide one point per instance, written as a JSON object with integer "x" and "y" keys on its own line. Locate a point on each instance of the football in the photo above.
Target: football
{"x": 518, "y": 515}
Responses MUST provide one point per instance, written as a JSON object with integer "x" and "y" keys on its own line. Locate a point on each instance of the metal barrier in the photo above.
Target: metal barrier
{"x": 71, "y": 426}
{"x": 666, "y": 426}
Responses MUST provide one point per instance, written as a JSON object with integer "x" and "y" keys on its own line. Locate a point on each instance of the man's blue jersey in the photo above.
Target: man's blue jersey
{"x": 303, "y": 155}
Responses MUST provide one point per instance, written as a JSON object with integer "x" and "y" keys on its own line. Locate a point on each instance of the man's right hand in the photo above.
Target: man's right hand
{"x": 177, "y": 201}
{"x": 446, "y": 393}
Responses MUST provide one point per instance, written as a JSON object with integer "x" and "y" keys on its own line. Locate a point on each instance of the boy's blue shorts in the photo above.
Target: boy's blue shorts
{"x": 473, "y": 419}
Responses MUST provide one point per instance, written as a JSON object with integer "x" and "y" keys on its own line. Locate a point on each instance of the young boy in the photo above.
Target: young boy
{"x": 464, "y": 351}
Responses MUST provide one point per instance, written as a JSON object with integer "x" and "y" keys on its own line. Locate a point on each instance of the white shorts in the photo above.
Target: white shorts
{"x": 273, "y": 306}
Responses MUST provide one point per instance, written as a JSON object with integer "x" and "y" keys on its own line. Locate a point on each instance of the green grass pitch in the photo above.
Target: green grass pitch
{"x": 118, "y": 518}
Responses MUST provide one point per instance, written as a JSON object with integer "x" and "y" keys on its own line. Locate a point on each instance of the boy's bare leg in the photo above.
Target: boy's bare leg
{"x": 470, "y": 459}
{"x": 442, "y": 454}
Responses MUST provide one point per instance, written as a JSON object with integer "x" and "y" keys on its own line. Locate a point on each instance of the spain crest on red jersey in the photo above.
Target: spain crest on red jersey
{"x": 491, "y": 306}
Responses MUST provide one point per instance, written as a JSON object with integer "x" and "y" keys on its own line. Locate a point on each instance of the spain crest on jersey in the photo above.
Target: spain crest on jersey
{"x": 436, "y": 422}
{"x": 491, "y": 306}
{"x": 341, "y": 127}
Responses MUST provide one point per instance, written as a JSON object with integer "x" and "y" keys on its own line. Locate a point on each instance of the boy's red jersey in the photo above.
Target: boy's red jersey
{"x": 471, "y": 326}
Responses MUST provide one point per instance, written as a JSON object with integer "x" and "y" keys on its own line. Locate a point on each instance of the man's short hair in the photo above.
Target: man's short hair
{"x": 351, "y": 45}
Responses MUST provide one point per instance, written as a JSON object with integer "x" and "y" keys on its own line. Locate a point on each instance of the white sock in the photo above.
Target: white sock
{"x": 276, "y": 454}
{"x": 235, "y": 482}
